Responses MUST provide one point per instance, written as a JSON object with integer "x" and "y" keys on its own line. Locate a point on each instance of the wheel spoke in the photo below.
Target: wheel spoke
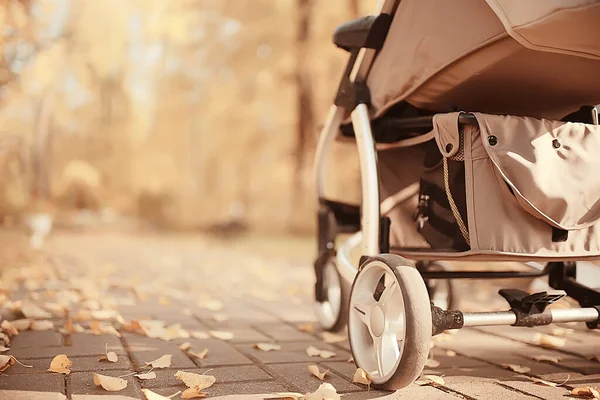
{"x": 362, "y": 308}
{"x": 379, "y": 349}
{"x": 387, "y": 294}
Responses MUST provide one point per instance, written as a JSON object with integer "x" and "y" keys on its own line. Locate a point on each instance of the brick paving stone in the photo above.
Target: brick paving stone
{"x": 283, "y": 333}
{"x": 219, "y": 353}
{"x": 227, "y": 374}
{"x": 33, "y": 382}
{"x": 30, "y": 353}
{"x": 79, "y": 383}
{"x": 293, "y": 352}
{"x": 541, "y": 391}
{"x": 590, "y": 380}
{"x": 85, "y": 344}
{"x": 29, "y": 395}
{"x": 341, "y": 367}
{"x": 81, "y": 364}
{"x": 230, "y": 389}
{"x": 36, "y": 339}
{"x": 486, "y": 390}
{"x": 298, "y": 375}
{"x": 38, "y": 366}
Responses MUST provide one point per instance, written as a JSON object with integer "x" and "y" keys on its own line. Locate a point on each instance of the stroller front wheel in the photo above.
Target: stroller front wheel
{"x": 389, "y": 324}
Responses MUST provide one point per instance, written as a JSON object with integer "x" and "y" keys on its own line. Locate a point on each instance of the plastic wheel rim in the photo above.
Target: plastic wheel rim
{"x": 377, "y": 345}
{"x": 329, "y": 310}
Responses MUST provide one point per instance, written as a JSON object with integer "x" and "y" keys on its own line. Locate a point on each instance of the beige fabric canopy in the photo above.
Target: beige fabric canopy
{"x": 539, "y": 58}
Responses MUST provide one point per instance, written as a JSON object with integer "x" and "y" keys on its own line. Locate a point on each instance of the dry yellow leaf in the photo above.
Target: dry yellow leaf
{"x": 105, "y": 315}
{"x": 325, "y": 392}
{"x": 150, "y": 395}
{"x": 196, "y": 381}
{"x": 30, "y": 310}
{"x": 147, "y": 375}
{"x": 267, "y": 346}
{"x": 164, "y": 301}
{"x": 516, "y": 368}
{"x": 3, "y": 349}
{"x": 431, "y": 363}
{"x": 61, "y": 364}
{"x": 548, "y": 383}
{"x": 185, "y": 346}
{"x": 200, "y": 355}
{"x": 562, "y": 331}
{"x": 220, "y": 317}
{"x": 585, "y": 392}
{"x": 109, "y": 383}
{"x": 6, "y": 362}
{"x": 430, "y": 380}
{"x": 44, "y": 325}
{"x": 70, "y": 328}
{"x": 212, "y": 305}
{"x": 21, "y": 324}
{"x": 329, "y": 337}
{"x": 110, "y": 356}
{"x": 350, "y": 360}
{"x": 223, "y": 335}
{"x": 55, "y": 308}
{"x": 360, "y": 376}
{"x": 548, "y": 341}
{"x": 161, "y": 362}
{"x": 312, "y": 351}
{"x": 450, "y": 353}
{"x": 289, "y": 396}
{"x": 314, "y": 369}
{"x": 103, "y": 329}
{"x": 546, "y": 358}
{"x": 308, "y": 328}
{"x": 9, "y": 328}
{"x": 193, "y": 393}
{"x": 200, "y": 335}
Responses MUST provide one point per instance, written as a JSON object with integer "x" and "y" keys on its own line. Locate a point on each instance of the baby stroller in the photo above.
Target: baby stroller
{"x": 478, "y": 139}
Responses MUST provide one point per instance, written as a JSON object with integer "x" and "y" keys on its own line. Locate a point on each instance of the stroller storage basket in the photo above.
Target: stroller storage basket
{"x": 506, "y": 185}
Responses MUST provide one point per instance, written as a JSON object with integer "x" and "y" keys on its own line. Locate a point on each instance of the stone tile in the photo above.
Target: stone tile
{"x": 283, "y": 333}
{"x": 85, "y": 344}
{"x": 30, "y": 353}
{"x": 33, "y": 382}
{"x": 179, "y": 360}
{"x": 219, "y": 353}
{"x": 36, "y": 339}
{"x": 240, "y": 373}
{"x": 486, "y": 390}
{"x": 82, "y": 364}
{"x": 238, "y": 388}
{"x": 343, "y": 368}
{"x": 82, "y": 383}
{"x": 293, "y": 352}
{"x": 590, "y": 380}
{"x": 541, "y": 391}
{"x": 376, "y": 394}
{"x": 30, "y": 395}
{"x": 247, "y": 335}
{"x": 298, "y": 375}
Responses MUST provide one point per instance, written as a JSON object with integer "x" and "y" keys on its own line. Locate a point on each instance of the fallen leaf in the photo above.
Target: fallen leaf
{"x": 200, "y": 355}
{"x": 325, "y": 392}
{"x": 314, "y": 369}
{"x": 548, "y": 383}
{"x": 212, "y": 305}
{"x": 9, "y": 328}
{"x": 562, "y": 331}
{"x": 548, "y": 341}
{"x": 151, "y": 328}
{"x": 220, "y": 317}
{"x": 516, "y": 368}
{"x": 61, "y": 364}
{"x": 450, "y": 353}
{"x": 110, "y": 356}
{"x": 164, "y": 301}
{"x": 329, "y": 337}
{"x": 185, "y": 346}
{"x": 350, "y": 360}
{"x": 109, "y": 383}
{"x": 3, "y": 349}
{"x": 361, "y": 376}
{"x": 308, "y": 328}
{"x": 103, "y": 329}
{"x": 6, "y": 362}
{"x": 105, "y": 314}
{"x": 223, "y": 335}
{"x": 267, "y": 346}
{"x": 70, "y": 328}
{"x": 196, "y": 381}
{"x": 147, "y": 375}
{"x": 161, "y": 362}
{"x": 55, "y": 308}
{"x": 312, "y": 351}
{"x": 200, "y": 335}
{"x": 30, "y": 310}
{"x": 174, "y": 331}
{"x": 430, "y": 380}
{"x": 546, "y": 358}
{"x": 21, "y": 324}
{"x": 44, "y": 325}
{"x": 150, "y": 395}
{"x": 431, "y": 363}
{"x": 585, "y": 392}
{"x": 193, "y": 393}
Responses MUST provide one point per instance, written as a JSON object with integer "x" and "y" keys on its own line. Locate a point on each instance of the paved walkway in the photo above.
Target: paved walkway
{"x": 216, "y": 292}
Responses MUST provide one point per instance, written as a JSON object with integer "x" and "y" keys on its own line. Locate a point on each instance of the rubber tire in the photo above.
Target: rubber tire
{"x": 342, "y": 319}
{"x": 418, "y": 322}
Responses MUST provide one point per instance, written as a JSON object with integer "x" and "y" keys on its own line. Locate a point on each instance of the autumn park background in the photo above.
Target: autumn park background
{"x": 181, "y": 114}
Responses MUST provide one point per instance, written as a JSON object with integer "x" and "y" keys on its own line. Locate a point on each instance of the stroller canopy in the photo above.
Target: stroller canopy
{"x": 539, "y": 58}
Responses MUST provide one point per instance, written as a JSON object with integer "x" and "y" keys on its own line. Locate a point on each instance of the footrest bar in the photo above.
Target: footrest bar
{"x": 589, "y": 314}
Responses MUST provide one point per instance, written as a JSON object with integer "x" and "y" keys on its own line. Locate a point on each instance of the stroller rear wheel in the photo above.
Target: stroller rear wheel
{"x": 389, "y": 322}
{"x": 332, "y": 313}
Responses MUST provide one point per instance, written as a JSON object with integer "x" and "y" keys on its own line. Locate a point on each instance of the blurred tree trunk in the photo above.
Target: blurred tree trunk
{"x": 305, "y": 123}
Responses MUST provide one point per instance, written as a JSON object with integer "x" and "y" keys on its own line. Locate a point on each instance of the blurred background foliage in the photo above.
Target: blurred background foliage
{"x": 186, "y": 114}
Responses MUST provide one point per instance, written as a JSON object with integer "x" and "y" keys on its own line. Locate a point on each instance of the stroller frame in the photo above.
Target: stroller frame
{"x": 334, "y": 270}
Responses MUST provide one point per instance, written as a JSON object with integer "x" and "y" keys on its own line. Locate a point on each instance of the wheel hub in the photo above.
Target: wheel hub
{"x": 377, "y": 321}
